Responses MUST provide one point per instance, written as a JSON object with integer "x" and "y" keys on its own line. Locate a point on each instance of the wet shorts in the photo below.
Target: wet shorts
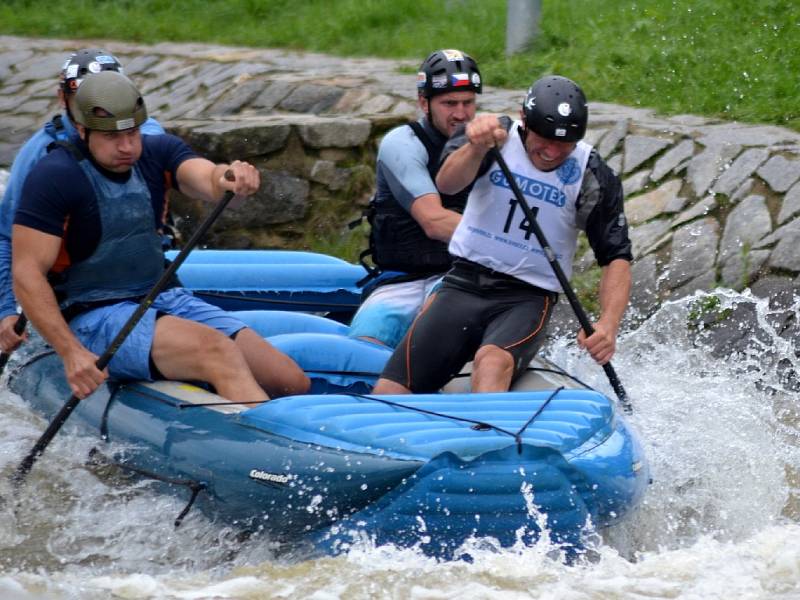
{"x": 465, "y": 314}
{"x": 97, "y": 328}
{"x": 388, "y": 312}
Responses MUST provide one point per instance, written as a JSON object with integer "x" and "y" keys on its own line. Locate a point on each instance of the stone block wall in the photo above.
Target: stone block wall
{"x": 709, "y": 202}
{"x": 318, "y": 174}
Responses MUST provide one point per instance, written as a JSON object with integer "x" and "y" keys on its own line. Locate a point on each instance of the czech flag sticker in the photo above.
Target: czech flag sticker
{"x": 459, "y": 79}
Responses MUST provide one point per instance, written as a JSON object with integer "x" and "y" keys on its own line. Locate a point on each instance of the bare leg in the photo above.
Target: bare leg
{"x": 492, "y": 369}
{"x": 387, "y": 386}
{"x": 272, "y": 369}
{"x": 184, "y": 349}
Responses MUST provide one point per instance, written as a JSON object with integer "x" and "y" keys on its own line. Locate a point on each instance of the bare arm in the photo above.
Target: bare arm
{"x": 461, "y": 167}
{"x": 614, "y": 292}
{"x": 34, "y": 253}
{"x": 438, "y": 222}
{"x": 201, "y": 179}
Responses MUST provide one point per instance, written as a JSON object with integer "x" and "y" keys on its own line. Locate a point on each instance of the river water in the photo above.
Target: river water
{"x": 721, "y": 519}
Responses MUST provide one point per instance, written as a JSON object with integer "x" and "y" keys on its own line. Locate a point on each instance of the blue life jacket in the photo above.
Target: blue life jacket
{"x": 128, "y": 260}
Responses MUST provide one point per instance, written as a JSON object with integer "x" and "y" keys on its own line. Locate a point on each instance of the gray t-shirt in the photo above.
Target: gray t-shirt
{"x": 402, "y": 171}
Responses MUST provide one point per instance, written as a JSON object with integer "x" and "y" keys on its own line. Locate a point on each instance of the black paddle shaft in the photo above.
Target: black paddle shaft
{"x": 19, "y": 327}
{"x": 102, "y": 362}
{"x": 583, "y": 319}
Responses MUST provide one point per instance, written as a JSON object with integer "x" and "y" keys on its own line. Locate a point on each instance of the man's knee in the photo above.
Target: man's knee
{"x": 387, "y": 386}
{"x": 219, "y": 345}
{"x": 493, "y": 358}
{"x": 273, "y": 368}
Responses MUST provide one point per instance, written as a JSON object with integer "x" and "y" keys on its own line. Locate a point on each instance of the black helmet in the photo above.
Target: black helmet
{"x": 108, "y": 101}
{"x": 448, "y": 71}
{"x": 83, "y": 62}
{"x": 555, "y": 108}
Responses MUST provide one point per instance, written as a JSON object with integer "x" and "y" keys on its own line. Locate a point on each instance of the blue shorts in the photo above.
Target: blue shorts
{"x": 388, "y": 312}
{"x": 97, "y": 328}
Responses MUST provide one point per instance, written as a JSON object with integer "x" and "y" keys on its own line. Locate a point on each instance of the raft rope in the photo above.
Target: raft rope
{"x": 95, "y": 455}
{"x": 182, "y": 405}
{"x": 476, "y": 425}
{"x": 98, "y": 458}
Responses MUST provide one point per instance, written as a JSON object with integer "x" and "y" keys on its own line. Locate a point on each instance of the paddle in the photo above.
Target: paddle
{"x": 22, "y": 470}
{"x": 19, "y": 327}
{"x": 562, "y": 278}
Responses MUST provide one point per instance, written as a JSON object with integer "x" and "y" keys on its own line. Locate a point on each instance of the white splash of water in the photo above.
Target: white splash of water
{"x": 721, "y": 519}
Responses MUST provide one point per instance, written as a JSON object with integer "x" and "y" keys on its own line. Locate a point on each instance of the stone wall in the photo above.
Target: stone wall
{"x": 709, "y": 202}
{"x": 318, "y": 174}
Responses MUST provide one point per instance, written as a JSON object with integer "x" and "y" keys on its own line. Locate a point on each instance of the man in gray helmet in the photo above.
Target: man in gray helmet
{"x": 494, "y": 304}
{"x": 86, "y": 251}
{"x": 79, "y": 65}
{"x": 411, "y": 221}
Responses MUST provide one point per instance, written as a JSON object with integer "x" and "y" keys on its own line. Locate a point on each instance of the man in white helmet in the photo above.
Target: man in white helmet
{"x": 86, "y": 250}
{"x": 76, "y": 68}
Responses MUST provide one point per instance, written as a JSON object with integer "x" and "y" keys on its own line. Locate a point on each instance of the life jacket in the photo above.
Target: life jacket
{"x": 397, "y": 242}
{"x": 128, "y": 259}
{"x": 60, "y": 129}
{"x": 56, "y": 129}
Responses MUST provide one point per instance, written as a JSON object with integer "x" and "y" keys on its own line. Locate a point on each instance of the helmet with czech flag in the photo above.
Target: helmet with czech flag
{"x": 555, "y": 108}
{"x": 85, "y": 62}
{"x": 108, "y": 101}
{"x": 448, "y": 71}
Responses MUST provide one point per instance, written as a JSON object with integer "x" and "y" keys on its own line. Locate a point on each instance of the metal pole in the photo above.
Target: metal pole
{"x": 522, "y": 24}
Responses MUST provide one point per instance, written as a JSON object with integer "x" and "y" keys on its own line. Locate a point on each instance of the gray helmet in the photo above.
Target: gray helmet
{"x": 448, "y": 71}
{"x": 108, "y": 101}
{"x": 555, "y": 108}
{"x": 85, "y": 62}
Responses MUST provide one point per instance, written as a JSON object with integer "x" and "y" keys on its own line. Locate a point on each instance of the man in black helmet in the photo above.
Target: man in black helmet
{"x": 494, "y": 304}
{"x": 75, "y": 69}
{"x": 86, "y": 251}
{"x": 411, "y": 221}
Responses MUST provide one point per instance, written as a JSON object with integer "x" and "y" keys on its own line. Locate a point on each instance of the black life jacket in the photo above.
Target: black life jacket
{"x": 396, "y": 241}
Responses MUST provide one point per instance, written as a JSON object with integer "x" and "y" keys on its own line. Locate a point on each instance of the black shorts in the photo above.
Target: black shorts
{"x": 474, "y": 307}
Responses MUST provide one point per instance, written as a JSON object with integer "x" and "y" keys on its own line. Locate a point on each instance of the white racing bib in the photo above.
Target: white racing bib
{"x": 494, "y": 231}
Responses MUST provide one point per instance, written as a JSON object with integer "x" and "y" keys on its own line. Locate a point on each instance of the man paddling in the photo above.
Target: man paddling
{"x": 411, "y": 221}
{"x": 494, "y": 304}
{"x": 76, "y": 68}
{"x": 86, "y": 250}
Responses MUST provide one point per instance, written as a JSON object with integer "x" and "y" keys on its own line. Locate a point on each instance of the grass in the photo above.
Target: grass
{"x": 719, "y": 58}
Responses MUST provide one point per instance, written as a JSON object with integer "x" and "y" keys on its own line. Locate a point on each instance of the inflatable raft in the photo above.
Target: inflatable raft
{"x": 429, "y": 471}
{"x": 273, "y": 280}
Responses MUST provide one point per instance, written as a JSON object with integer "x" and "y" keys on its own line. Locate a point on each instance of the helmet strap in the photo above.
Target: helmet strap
{"x": 523, "y": 133}
{"x": 69, "y": 110}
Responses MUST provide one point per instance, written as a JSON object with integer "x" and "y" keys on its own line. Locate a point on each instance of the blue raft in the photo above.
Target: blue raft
{"x": 273, "y": 280}
{"x": 429, "y": 471}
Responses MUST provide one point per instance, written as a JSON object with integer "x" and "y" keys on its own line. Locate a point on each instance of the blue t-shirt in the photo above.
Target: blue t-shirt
{"x": 58, "y": 199}
{"x": 32, "y": 151}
